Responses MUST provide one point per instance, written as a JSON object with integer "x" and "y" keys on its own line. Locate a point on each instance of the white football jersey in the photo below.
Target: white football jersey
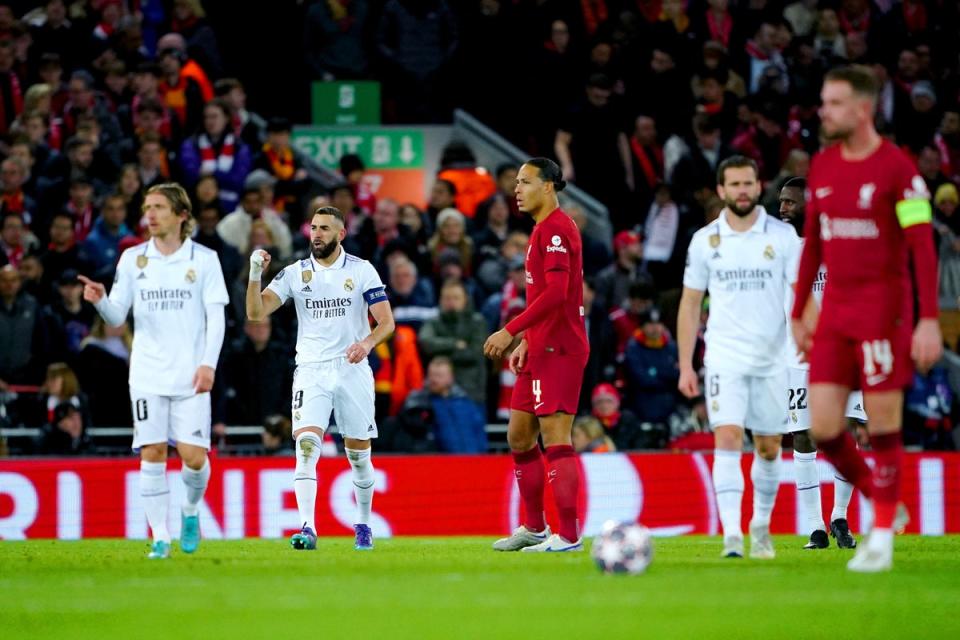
{"x": 793, "y": 357}
{"x": 168, "y": 295}
{"x": 331, "y": 303}
{"x": 748, "y": 276}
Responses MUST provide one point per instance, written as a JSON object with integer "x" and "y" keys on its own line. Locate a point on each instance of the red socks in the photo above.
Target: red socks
{"x": 843, "y": 454}
{"x": 530, "y": 480}
{"x": 888, "y": 453}
{"x": 565, "y": 481}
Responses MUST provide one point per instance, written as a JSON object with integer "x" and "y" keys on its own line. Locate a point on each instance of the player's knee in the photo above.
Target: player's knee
{"x": 154, "y": 452}
{"x": 521, "y": 442}
{"x": 728, "y": 438}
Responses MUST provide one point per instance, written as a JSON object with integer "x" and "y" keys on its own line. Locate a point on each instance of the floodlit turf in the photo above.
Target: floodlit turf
{"x": 459, "y": 588}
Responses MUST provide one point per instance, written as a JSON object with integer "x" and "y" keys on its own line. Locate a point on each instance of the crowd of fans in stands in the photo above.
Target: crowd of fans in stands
{"x": 639, "y": 100}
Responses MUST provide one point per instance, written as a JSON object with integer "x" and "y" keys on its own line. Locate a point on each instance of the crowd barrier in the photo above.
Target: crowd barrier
{"x": 429, "y": 496}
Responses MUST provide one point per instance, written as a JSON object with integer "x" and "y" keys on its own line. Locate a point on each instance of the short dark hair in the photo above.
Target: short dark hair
{"x": 861, "y": 79}
{"x": 736, "y": 162}
{"x": 223, "y": 86}
{"x": 331, "y": 211}
{"x": 503, "y": 168}
{"x": 452, "y": 188}
{"x": 796, "y": 183}
{"x": 549, "y": 172}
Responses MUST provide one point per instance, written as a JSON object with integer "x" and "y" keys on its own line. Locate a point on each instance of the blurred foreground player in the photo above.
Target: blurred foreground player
{"x": 869, "y": 222}
{"x": 548, "y": 362}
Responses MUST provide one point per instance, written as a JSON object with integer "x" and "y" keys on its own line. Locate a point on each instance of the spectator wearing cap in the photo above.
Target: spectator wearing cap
{"x": 947, "y": 139}
{"x": 620, "y": 424}
{"x": 100, "y": 249}
{"x": 458, "y": 332}
{"x": 592, "y": 147}
{"x": 652, "y": 370}
{"x": 284, "y": 163}
{"x": 235, "y": 227}
{"x": 917, "y": 122}
{"x": 451, "y": 233}
{"x": 72, "y": 314}
{"x": 216, "y": 150}
{"x": 353, "y": 170}
{"x": 614, "y": 281}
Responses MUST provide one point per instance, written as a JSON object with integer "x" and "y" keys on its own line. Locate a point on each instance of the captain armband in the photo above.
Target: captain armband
{"x": 913, "y": 212}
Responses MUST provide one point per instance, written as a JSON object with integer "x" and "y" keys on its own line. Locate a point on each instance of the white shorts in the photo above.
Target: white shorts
{"x": 751, "y": 402}
{"x": 173, "y": 419}
{"x": 338, "y": 386}
{"x": 798, "y": 407}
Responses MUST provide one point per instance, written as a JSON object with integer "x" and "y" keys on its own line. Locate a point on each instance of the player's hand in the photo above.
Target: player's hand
{"x": 358, "y": 351}
{"x": 689, "y": 384}
{"x": 93, "y": 292}
{"x": 927, "y": 346}
{"x": 259, "y": 262}
{"x": 518, "y": 359}
{"x": 497, "y": 344}
{"x": 803, "y": 337}
{"x": 203, "y": 379}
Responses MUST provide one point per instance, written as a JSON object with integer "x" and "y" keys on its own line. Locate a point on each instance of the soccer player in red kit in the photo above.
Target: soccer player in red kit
{"x": 868, "y": 220}
{"x": 548, "y": 363}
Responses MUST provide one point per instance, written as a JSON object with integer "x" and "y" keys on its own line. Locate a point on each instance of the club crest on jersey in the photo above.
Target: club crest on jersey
{"x": 142, "y": 262}
{"x": 191, "y": 276}
{"x": 715, "y": 406}
{"x": 768, "y": 252}
{"x": 348, "y": 284}
{"x": 715, "y": 241}
{"x": 306, "y": 276}
{"x": 865, "y": 201}
{"x": 296, "y": 415}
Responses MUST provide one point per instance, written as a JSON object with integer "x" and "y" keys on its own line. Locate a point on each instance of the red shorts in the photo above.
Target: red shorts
{"x": 549, "y": 383}
{"x": 878, "y": 364}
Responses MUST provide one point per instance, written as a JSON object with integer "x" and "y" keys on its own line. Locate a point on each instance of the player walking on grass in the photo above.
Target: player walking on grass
{"x": 177, "y": 293}
{"x": 747, "y": 260}
{"x": 792, "y": 210}
{"x": 332, "y": 292}
{"x": 869, "y": 221}
{"x": 548, "y": 363}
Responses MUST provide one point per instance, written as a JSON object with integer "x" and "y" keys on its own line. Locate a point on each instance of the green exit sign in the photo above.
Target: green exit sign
{"x": 346, "y": 103}
{"x": 380, "y": 147}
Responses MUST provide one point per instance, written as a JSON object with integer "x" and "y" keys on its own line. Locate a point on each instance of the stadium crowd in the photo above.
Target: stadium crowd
{"x": 102, "y": 99}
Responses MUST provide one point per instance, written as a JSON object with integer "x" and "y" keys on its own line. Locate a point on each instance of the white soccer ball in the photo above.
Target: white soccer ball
{"x": 623, "y": 547}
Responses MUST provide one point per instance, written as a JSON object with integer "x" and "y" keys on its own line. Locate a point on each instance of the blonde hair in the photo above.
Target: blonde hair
{"x": 260, "y": 225}
{"x": 71, "y": 386}
{"x": 592, "y": 428}
{"x": 34, "y": 95}
{"x": 99, "y": 331}
{"x": 179, "y": 202}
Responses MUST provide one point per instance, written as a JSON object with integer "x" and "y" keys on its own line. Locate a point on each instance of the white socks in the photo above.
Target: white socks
{"x": 842, "y": 492}
{"x": 195, "y": 483}
{"x": 305, "y": 476}
{"x": 156, "y": 497}
{"x": 808, "y": 489}
{"x": 728, "y": 486}
{"x": 363, "y": 480}
{"x": 765, "y": 475}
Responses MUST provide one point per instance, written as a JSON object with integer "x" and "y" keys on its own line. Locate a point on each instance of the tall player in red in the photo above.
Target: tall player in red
{"x": 548, "y": 363}
{"x": 869, "y": 220}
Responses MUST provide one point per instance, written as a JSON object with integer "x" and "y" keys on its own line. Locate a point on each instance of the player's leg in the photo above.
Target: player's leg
{"x": 151, "y": 415}
{"x": 727, "y": 413}
{"x": 767, "y": 418}
{"x": 190, "y": 426}
{"x": 808, "y": 489}
{"x": 354, "y": 407}
{"x": 842, "y": 488}
{"x": 312, "y": 405}
{"x": 530, "y": 471}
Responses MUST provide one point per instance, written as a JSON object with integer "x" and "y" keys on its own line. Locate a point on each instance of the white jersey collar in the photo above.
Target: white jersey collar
{"x": 759, "y": 225}
{"x": 338, "y": 263}
{"x": 185, "y": 252}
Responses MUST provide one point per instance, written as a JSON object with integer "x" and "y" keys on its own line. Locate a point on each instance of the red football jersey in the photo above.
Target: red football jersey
{"x": 852, "y": 222}
{"x": 555, "y": 246}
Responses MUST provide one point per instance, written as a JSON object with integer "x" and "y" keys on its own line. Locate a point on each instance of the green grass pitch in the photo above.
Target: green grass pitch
{"x": 459, "y": 588}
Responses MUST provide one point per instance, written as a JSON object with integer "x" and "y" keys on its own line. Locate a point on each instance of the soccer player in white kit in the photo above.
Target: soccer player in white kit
{"x": 176, "y": 289}
{"x": 792, "y": 207}
{"x": 748, "y": 261}
{"x": 332, "y": 292}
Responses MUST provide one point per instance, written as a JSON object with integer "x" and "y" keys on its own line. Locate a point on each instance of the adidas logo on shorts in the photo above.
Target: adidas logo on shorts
{"x": 370, "y": 429}
{"x": 197, "y": 434}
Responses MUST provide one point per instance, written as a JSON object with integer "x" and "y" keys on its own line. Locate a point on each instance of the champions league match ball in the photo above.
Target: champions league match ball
{"x": 623, "y": 547}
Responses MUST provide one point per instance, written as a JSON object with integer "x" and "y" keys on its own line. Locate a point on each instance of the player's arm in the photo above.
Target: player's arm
{"x": 115, "y": 307}
{"x": 383, "y": 315}
{"x": 915, "y": 216}
{"x": 688, "y": 324}
{"x": 260, "y": 304}
{"x": 561, "y": 146}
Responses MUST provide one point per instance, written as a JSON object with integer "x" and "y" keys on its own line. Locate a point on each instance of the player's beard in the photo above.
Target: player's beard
{"x": 839, "y": 134}
{"x": 742, "y": 212}
{"x": 796, "y": 222}
{"x": 325, "y": 250}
